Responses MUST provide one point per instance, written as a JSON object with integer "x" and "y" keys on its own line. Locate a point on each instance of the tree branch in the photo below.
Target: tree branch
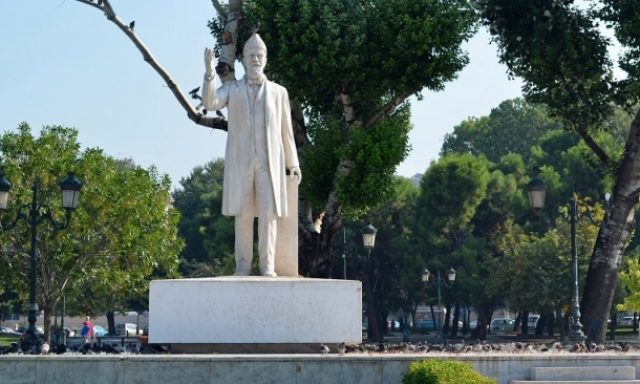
{"x": 193, "y": 114}
{"x": 218, "y": 7}
{"x": 389, "y": 107}
{"x": 598, "y": 150}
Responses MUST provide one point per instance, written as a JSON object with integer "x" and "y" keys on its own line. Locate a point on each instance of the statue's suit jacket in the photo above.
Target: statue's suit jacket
{"x": 281, "y": 148}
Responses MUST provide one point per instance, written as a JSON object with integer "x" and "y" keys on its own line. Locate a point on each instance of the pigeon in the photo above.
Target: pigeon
{"x": 60, "y": 349}
{"x": 44, "y": 349}
{"x": 324, "y": 349}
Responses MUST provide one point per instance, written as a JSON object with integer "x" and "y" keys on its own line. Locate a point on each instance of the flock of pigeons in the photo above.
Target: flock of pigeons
{"x": 87, "y": 349}
{"x": 451, "y": 347}
{"x": 479, "y": 347}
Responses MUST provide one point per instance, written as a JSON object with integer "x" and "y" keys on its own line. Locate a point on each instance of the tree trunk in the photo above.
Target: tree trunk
{"x": 612, "y": 239}
{"x": 316, "y": 249}
{"x": 47, "y": 324}
{"x": 517, "y": 325}
{"x": 525, "y": 322}
{"x": 484, "y": 315}
{"x": 374, "y": 328}
{"x": 456, "y": 317}
{"x": 111, "y": 324}
{"x": 551, "y": 321}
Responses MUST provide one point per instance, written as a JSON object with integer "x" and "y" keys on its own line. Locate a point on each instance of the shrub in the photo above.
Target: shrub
{"x": 432, "y": 371}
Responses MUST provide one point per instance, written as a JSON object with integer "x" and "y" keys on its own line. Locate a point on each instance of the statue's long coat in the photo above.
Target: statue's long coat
{"x": 281, "y": 148}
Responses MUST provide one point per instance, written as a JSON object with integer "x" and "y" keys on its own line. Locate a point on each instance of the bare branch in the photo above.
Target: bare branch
{"x": 193, "y": 114}
{"x": 218, "y": 7}
{"x": 389, "y": 107}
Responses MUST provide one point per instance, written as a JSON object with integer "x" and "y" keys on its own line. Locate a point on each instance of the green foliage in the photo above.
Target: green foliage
{"x": 511, "y": 128}
{"x": 375, "y": 154}
{"x": 432, "y": 371}
{"x": 534, "y": 272}
{"x": 630, "y": 278}
{"x": 121, "y": 235}
{"x": 560, "y": 52}
{"x": 370, "y": 50}
{"x": 208, "y": 235}
{"x": 441, "y": 214}
{"x": 399, "y": 266}
{"x": 378, "y": 53}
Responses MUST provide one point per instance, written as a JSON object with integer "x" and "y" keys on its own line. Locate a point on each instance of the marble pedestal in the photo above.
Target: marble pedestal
{"x": 254, "y": 312}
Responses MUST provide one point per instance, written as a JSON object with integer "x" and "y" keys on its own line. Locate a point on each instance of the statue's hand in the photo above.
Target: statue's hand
{"x": 296, "y": 172}
{"x": 209, "y": 60}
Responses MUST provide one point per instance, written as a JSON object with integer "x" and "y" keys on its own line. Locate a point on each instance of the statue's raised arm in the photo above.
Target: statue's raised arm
{"x": 208, "y": 84}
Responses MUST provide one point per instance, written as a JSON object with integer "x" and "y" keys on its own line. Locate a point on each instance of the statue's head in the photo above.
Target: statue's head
{"x": 254, "y": 57}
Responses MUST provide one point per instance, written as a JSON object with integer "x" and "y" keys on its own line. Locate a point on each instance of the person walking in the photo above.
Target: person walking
{"x": 87, "y": 332}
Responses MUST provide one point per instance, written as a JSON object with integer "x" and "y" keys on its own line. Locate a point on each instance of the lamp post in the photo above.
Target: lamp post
{"x": 439, "y": 282}
{"x": 344, "y": 253}
{"x": 536, "y": 190}
{"x": 34, "y": 214}
{"x": 368, "y": 241}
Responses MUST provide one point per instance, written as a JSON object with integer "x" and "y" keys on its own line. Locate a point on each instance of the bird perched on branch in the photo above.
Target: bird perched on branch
{"x": 194, "y": 93}
{"x": 132, "y": 25}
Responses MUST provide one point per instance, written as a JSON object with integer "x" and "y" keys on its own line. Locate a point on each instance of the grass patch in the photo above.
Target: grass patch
{"x": 6, "y": 341}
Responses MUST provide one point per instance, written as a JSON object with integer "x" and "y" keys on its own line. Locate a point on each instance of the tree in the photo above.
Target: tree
{"x": 391, "y": 277}
{"x": 443, "y": 220}
{"x": 121, "y": 235}
{"x": 513, "y": 127}
{"x": 208, "y": 235}
{"x": 350, "y": 66}
{"x": 560, "y": 52}
{"x": 630, "y": 279}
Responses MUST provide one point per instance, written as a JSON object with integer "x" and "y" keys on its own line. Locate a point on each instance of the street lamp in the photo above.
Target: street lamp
{"x": 34, "y": 214}
{"x": 440, "y": 282}
{"x": 368, "y": 241}
{"x": 536, "y": 190}
{"x": 369, "y": 237}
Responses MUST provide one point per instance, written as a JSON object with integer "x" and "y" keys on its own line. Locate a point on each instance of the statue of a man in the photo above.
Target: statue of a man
{"x": 259, "y": 156}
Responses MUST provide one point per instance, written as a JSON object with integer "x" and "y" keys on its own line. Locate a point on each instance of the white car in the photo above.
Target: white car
{"x": 626, "y": 321}
{"x": 128, "y": 329}
{"x": 501, "y": 325}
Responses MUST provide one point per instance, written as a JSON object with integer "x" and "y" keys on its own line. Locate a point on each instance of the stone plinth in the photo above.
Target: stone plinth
{"x": 287, "y": 240}
{"x": 255, "y": 310}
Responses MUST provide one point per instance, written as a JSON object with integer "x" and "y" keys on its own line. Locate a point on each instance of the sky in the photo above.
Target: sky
{"x": 63, "y": 63}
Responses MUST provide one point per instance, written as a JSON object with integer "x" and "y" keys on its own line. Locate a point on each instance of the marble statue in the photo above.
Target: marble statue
{"x": 260, "y": 154}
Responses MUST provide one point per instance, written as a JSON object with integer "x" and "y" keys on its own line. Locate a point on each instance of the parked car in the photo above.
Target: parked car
{"x": 626, "y": 321}
{"x": 128, "y": 329}
{"x": 532, "y": 321}
{"x": 425, "y": 325}
{"x": 8, "y": 331}
{"x": 100, "y": 331}
{"x": 501, "y": 325}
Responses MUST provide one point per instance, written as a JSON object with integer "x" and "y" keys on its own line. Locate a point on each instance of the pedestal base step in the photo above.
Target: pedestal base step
{"x": 255, "y": 310}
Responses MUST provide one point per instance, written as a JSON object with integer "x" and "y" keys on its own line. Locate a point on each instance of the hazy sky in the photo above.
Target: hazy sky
{"x": 63, "y": 63}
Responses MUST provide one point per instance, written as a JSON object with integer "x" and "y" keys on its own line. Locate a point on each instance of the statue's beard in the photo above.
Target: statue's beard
{"x": 254, "y": 71}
